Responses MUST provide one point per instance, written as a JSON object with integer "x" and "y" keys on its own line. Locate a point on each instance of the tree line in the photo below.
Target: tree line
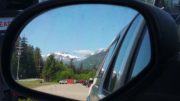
{"x": 56, "y": 70}
{"x": 30, "y": 60}
{"x": 32, "y": 65}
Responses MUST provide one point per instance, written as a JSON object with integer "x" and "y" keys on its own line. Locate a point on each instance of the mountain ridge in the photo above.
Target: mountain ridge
{"x": 89, "y": 62}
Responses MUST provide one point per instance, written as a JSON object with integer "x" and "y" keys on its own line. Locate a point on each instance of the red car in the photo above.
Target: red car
{"x": 81, "y": 81}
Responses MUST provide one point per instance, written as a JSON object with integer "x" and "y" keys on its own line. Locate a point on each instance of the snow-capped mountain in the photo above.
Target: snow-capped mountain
{"x": 65, "y": 57}
{"x": 78, "y": 58}
{"x": 62, "y": 56}
{"x": 101, "y": 50}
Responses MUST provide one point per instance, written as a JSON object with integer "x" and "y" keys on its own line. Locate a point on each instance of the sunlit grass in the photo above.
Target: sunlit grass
{"x": 28, "y": 99}
{"x": 34, "y": 83}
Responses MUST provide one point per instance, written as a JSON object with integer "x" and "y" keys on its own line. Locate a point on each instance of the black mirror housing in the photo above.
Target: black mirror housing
{"x": 160, "y": 24}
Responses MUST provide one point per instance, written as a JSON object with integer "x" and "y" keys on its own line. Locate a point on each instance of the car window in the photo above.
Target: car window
{"x": 143, "y": 56}
{"x": 151, "y": 2}
{"x": 110, "y": 51}
{"x": 106, "y": 61}
{"x": 123, "y": 55}
{"x": 175, "y": 2}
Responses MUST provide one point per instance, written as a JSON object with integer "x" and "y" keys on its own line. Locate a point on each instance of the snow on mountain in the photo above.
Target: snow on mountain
{"x": 66, "y": 57}
{"x": 83, "y": 53}
{"x": 61, "y": 56}
{"x": 101, "y": 50}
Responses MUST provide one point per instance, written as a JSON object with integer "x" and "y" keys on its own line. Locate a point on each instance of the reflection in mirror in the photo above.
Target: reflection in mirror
{"x": 60, "y": 50}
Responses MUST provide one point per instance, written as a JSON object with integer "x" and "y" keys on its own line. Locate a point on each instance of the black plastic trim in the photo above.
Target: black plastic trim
{"x": 154, "y": 20}
{"x": 113, "y": 58}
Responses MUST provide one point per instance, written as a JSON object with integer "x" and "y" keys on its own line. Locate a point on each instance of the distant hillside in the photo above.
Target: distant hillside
{"x": 89, "y": 62}
{"x": 65, "y": 57}
{"x": 92, "y": 61}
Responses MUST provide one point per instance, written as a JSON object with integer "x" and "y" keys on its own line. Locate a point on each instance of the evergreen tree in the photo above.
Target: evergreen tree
{"x": 49, "y": 68}
{"x": 38, "y": 61}
{"x": 80, "y": 69}
{"x": 31, "y": 68}
{"x": 72, "y": 65}
{"x": 61, "y": 61}
{"x": 23, "y": 59}
{"x": 28, "y": 58}
{"x": 26, "y": 62}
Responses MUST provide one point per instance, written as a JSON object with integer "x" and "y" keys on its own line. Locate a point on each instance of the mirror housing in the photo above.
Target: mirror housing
{"x": 158, "y": 22}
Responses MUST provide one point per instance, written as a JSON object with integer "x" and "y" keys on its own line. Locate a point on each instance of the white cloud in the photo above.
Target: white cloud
{"x": 83, "y": 53}
{"x": 101, "y": 50}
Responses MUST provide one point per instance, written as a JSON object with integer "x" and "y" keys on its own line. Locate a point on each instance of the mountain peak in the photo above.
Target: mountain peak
{"x": 65, "y": 56}
{"x": 101, "y": 50}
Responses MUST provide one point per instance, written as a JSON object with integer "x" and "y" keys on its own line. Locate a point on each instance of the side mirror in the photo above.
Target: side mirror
{"x": 60, "y": 45}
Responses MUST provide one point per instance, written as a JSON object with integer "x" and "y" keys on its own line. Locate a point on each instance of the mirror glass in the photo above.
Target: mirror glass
{"x": 60, "y": 50}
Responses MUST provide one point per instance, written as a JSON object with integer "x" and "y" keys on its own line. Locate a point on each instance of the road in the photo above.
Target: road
{"x": 74, "y": 91}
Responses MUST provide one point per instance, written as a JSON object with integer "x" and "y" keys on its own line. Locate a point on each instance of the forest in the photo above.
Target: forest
{"x": 27, "y": 62}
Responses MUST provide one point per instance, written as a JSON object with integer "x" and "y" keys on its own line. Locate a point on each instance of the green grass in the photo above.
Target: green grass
{"x": 28, "y": 99}
{"x": 34, "y": 83}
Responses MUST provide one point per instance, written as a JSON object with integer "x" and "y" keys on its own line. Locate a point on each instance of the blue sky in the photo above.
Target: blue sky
{"x": 78, "y": 28}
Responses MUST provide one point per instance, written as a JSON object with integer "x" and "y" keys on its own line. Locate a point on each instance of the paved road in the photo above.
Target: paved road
{"x": 75, "y": 91}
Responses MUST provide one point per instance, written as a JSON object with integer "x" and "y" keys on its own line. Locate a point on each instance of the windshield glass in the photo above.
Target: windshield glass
{"x": 151, "y": 2}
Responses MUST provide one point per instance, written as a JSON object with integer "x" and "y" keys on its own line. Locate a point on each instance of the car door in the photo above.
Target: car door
{"x": 96, "y": 91}
{"x": 127, "y": 41}
{"x": 121, "y": 66}
{"x": 103, "y": 68}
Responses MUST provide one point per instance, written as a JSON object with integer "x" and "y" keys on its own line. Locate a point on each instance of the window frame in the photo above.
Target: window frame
{"x": 120, "y": 38}
{"x": 115, "y": 42}
{"x": 99, "y": 87}
{"x": 129, "y": 60}
{"x": 130, "y": 71}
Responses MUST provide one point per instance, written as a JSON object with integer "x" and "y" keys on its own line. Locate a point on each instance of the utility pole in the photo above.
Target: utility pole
{"x": 19, "y": 50}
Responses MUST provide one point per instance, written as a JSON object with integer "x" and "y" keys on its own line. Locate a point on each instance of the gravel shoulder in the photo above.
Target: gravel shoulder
{"x": 74, "y": 91}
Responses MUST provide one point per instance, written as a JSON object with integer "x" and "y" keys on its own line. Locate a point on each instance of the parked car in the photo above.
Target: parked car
{"x": 70, "y": 81}
{"x": 85, "y": 83}
{"x": 90, "y": 81}
{"x": 81, "y": 81}
{"x": 62, "y": 82}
